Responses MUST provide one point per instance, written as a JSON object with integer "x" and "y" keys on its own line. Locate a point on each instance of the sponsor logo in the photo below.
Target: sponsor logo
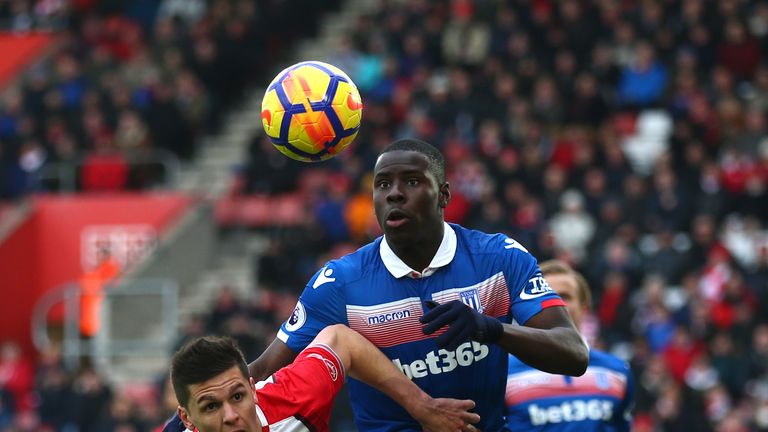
{"x": 571, "y": 411}
{"x": 297, "y": 319}
{"x": 471, "y": 298}
{"x": 537, "y": 287}
{"x": 444, "y": 361}
{"x": 328, "y": 364}
{"x": 127, "y": 244}
{"x": 387, "y": 317}
{"x": 323, "y": 277}
{"x": 512, "y": 244}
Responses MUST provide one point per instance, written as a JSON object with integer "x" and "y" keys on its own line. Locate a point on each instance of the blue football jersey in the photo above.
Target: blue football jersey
{"x": 599, "y": 400}
{"x": 375, "y": 293}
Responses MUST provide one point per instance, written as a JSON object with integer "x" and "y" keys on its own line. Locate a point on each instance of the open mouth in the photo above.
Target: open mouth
{"x": 396, "y": 218}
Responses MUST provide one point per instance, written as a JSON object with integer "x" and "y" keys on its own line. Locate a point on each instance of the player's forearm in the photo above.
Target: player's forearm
{"x": 558, "y": 350}
{"x": 273, "y": 358}
{"x": 380, "y": 373}
{"x": 364, "y": 362}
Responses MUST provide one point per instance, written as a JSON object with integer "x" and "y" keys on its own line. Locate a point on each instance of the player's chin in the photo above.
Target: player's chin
{"x": 398, "y": 233}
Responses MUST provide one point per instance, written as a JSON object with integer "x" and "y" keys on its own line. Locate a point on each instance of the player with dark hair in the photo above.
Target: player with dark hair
{"x": 215, "y": 393}
{"x": 438, "y": 299}
{"x": 599, "y": 400}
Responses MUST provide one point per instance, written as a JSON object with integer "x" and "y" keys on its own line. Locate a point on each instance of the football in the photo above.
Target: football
{"x": 311, "y": 111}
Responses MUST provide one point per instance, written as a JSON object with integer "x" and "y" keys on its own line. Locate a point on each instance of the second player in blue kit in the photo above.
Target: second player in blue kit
{"x": 599, "y": 400}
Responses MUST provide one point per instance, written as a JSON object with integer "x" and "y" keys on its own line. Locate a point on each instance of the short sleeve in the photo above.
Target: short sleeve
{"x": 528, "y": 290}
{"x": 304, "y": 389}
{"x": 320, "y": 305}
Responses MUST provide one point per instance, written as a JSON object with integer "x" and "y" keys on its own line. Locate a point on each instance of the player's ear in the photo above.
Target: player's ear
{"x": 184, "y": 416}
{"x": 444, "y": 195}
{"x": 253, "y": 390}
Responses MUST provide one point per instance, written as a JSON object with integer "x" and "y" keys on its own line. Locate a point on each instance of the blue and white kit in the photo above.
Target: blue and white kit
{"x": 375, "y": 293}
{"x": 599, "y": 400}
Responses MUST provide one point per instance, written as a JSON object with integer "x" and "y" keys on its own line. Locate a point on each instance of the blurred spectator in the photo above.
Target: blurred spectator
{"x": 359, "y": 215}
{"x": 758, "y": 353}
{"x": 104, "y": 170}
{"x": 92, "y": 285}
{"x": 92, "y": 400}
{"x": 329, "y": 209}
{"x": 56, "y": 398}
{"x": 274, "y": 271}
{"x": 122, "y": 416}
{"x": 188, "y": 11}
{"x": 193, "y": 327}
{"x": 16, "y": 376}
{"x": 681, "y": 354}
{"x": 663, "y": 257}
{"x": 588, "y": 105}
{"x": 7, "y": 409}
{"x": 642, "y": 82}
{"x": 465, "y": 40}
{"x": 613, "y": 309}
{"x": 739, "y": 52}
{"x": 731, "y": 365}
{"x": 572, "y": 227}
{"x": 225, "y": 305}
{"x": 240, "y": 328}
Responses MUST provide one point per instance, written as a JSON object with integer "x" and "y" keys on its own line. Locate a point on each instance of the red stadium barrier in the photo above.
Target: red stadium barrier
{"x": 262, "y": 210}
{"x": 59, "y": 240}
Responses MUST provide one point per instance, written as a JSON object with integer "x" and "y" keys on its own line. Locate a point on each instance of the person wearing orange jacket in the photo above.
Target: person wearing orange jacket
{"x": 92, "y": 285}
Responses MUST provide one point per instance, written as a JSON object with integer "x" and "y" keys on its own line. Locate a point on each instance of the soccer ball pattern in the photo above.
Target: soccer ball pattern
{"x": 311, "y": 111}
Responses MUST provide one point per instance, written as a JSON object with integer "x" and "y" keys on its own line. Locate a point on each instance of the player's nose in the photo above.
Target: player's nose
{"x": 230, "y": 414}
{"x": 395, "y": 193}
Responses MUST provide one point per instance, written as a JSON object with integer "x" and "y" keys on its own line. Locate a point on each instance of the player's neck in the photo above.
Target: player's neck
{"x": 418, "y": 253}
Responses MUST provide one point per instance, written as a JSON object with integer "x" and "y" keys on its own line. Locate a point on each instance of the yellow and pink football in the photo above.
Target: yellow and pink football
{"x": 311, "y": 111}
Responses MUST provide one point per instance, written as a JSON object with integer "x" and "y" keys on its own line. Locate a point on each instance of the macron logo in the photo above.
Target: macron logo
{"x": 387, "y": 317}
{"x": 323, "y": 277}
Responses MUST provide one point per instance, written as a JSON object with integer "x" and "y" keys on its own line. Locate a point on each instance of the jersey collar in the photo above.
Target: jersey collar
{"x": 262, "y": 418}
{"x": 443, "y": 257}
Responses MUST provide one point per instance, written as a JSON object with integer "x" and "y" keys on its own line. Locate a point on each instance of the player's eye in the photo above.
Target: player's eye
{"x": 210, "y": 407}
{"x": 383, "y": 184}
{"x": 413, "y": 182}
{"x": 237, "y": 397}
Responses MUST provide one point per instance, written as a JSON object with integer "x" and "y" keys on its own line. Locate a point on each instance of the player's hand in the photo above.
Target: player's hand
{"x": 464, "y": 324}
{"x": 443, "y": 415}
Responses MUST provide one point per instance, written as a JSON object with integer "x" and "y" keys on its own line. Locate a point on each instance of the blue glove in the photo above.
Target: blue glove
{"x": 464, "y": 324}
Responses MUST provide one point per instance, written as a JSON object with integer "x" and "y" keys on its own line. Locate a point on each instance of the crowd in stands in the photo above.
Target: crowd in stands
{"x": 129, "y": 87}
{"x": 627, "y": 138}
{"x": 47, "y": 397}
